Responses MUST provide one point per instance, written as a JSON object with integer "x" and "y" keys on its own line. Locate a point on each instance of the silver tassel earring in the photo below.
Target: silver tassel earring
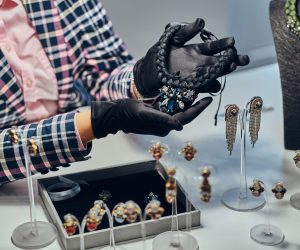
{"x": 256, "y": 104}
{"x": 231, "y": 116}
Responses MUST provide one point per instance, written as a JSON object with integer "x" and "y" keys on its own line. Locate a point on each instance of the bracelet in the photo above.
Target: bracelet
{"x": 71, "y": 189}
{"x": 136, "y": 92}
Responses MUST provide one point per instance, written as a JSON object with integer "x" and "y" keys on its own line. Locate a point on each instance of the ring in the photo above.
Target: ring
{"x": 150, "y": 197}
{"x": 157, "y": 150}
{"x": 119, "y": 212}
{"x": 132, "y": 211}
{"x": 154, "y": 210}
{"x": 70, "y": 224}
{"x": 279, "y": 190}
{"x": 105, "y": 195}
{"x": 189, "y": 151}
{"x": 257, "y": 188}
{"x": 95, "y": 215}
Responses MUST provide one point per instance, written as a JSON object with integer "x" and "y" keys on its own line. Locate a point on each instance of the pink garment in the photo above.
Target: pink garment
{"x": 24, "y": 53}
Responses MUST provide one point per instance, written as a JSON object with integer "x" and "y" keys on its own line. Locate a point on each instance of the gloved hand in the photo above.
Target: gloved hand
{"x": 186, "y": 60}
{"x": 132, "y": 116}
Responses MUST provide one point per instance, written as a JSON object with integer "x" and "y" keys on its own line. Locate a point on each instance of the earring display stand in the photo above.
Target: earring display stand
{"x": 33, "y": 234}
{"x": 267, "y": 234}
{"x": 239, "y": 199}
{"x": 175, "y": 239}
{"x": 112, "y": 244}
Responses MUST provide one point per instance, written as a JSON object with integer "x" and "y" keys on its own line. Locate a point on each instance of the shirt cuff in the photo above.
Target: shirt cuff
{"x": 81, "y": 147}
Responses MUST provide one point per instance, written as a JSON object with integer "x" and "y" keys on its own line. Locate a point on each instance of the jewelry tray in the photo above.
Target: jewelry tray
{"x": 126, "y": 182}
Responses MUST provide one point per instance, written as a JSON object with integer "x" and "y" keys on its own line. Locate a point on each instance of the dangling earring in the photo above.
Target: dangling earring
{"x": 171, "y": 186}
{"x": 231, "y": 116}
{"x": 205, "y": 186}
{"x": 256, "y": 104}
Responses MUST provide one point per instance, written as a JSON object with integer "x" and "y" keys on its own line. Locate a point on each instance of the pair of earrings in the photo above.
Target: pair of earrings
{"x": 231, "y": 118}
{"x": 128, "y": 211}
{"x": 257, "y": 188}
{"x": 205, "y": 188}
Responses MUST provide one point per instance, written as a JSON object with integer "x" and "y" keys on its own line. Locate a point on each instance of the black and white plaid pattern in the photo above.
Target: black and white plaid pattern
{"x": 83, "y": 50}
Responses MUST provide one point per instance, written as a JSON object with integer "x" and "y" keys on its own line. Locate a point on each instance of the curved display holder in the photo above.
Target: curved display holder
{"x": 175, "y": 239}
{"x": 239, "y": 199}
{"x": 266, "y": 234}
{"x": 33, "y": 234}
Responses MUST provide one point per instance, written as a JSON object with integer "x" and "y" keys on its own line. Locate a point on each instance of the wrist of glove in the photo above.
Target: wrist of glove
{"x": 132, "y": 116}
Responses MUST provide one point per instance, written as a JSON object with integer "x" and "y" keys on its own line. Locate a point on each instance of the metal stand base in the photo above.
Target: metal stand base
{"x": 231, "y": 199}
{"x": 295, "y": 201}
{"x": 259, "y": 234}
{"x": 113, "y": 248}
{"x": 175, "y": 240}
{"x": 23, "y": 237}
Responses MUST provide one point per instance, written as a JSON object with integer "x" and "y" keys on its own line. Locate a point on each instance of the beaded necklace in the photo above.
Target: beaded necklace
{"x": 293, "y": 22}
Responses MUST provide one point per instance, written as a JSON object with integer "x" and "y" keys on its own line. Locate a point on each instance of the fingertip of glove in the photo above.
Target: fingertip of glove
{"x": 206, "y": 101}
{"x": 176, "y": 124}
{"x": 245, "y": 60}
{"x": 199, "y": 22}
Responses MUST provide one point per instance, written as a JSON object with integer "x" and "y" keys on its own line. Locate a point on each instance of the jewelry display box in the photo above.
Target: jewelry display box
{"x": 126, "y": 182}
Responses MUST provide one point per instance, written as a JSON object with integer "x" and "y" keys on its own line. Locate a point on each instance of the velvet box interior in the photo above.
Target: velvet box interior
{"x": 129, "y": 182}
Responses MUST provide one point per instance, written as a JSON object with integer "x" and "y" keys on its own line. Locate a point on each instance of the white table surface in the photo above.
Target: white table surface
{"x": 222, "y": 228}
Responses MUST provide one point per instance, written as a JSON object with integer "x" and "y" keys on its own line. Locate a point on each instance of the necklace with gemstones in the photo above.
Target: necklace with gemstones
{"x": 293, "y": 22}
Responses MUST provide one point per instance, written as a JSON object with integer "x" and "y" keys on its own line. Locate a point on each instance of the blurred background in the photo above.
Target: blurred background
{"x": 140, "y": 23}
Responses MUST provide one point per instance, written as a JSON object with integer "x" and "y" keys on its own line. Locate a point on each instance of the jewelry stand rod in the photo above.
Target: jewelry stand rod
{"x": 268, "y": 210}
{"x": 243, "y": 179}
{"x": 34, "y": 229}
{"x": 82, "y": 227}
{"x": 112, "y": 242}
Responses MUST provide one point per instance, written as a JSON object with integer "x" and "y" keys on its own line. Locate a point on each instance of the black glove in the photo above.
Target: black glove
{"x": 132, "y": 116}
{"x": 186, "y": 60}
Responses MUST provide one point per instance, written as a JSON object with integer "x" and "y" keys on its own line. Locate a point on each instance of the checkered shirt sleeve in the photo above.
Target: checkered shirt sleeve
{"x": 104, "y": 64}
{"x": 58, "y": 146}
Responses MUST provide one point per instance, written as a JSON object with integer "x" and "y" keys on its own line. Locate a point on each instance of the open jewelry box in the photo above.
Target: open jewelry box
{"x": 126, "y": 182}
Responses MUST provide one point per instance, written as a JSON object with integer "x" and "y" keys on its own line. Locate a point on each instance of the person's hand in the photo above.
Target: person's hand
{"x": 132, "y": 116}
{"x": 186, "y": 60}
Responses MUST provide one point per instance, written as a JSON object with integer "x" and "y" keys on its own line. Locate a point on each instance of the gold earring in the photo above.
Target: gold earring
{"x": 205, "y": 185}
{"x": 297, "y": 159}
{"x": 257, "y": 188}
{"x": 13, "y": 136}
{"x": 231, "y": 116}
{"x": 189, "y": 151}
{"x": 132, "y": 211}
{"x": 171, "y": 186}
{"x": 157, "y": 150}
{"x": 279, "y": 190}
{"x": 119, "y": 212}
{"x": 70, "y": 224}
{"x": 256, "y": 104}
{"x": 154, "y": 210}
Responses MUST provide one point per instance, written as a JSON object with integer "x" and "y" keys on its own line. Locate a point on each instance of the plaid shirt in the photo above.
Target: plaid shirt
{"x": 90, "y": 62}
